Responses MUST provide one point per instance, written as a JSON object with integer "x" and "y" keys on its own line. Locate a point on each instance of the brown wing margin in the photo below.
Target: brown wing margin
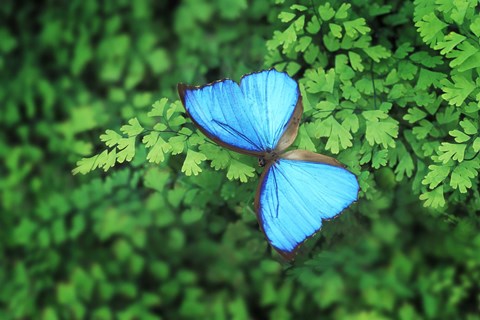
{"x": 182, "y": 89}
{"x": 292, "y": 128}
{"x": 305, "y": 155}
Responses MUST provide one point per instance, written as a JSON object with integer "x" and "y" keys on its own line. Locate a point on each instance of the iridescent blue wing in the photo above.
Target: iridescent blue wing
{"x": 296, "y": 193}
{"x": 250, "y": 117}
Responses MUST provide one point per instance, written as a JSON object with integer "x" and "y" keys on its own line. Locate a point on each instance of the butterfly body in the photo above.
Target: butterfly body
{"x": 260, "y": 117}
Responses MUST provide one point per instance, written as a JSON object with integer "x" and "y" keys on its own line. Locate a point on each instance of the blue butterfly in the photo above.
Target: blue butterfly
{"x": 260, "y": 117}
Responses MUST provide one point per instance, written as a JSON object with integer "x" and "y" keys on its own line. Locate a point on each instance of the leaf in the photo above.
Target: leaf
{"x": 159, "y": 60}
{"x": 377, "y": 52}
{"x": 66, "y": 293}
{"x": 475, "y": 26}
{"x": 136, "y": 71}
{"x": 150, "y": 139}
{"x": 460, "y": 10}
{"x": 286, "y": 16}
{"x": 342, "y": 12}
{"x": 434, "y": 199}
{"x": 326, "y": 12}
{"x": 422, "y": 57}
{"x": 405, "y": 166}
{"x": 220, "y": 158}
{"x": 398, "y": 91}
{"x": 311, "y": 54}
{"x": 298, "y": 7}
{"x": 319, "y": 81}
{"x": 407, "y": 70}
{"x": 350, "y": 122}
{"x": 355, "y": 27}
{"x": 414, "y": 115}
{"x": 403, "y": 50}
{"x": 293, "y": 68}
{"x": 313, "y": 26}
{"x": 448, "y": 115}
{"x": 331, "y": 43}
{"x": 86, "y": 165}
{"x": 350, "y": 92}
{"x": 158, "y": 108}
{"x": 427, "y": 78}
{"x": 377, "y": 10}
{"x": 127, "y": 149}
{"x": 160, "y": 127}
{"x": 459, "y": 136}
{"x": 158, "y": 147}
{"x": 49, "y": 313}
{"x": 299, "y": 23}
{"x": 192, "y": 161}
{"x": 392, "y": 77}
{"x": 303, "y": 43}
{"x": 178, "y": 144}
{"x": 324, "y": 109}
{"x": 110, "y": 160}
{"x": 133, "y": 128}
{"x": 336, "y": 30}
{"x": 430, "y": 28}
{"x": 288, "y": 37}
{"x": 240, "y": 171}
{"x": 462, "y": 176}
{"x": 110, "y": 138}
{"x": 379, "y": 158}
{"x": 304, "y": 140}
{"x": 191, "y": 216}
{"x": 378, "y": 131}
{"x": 196, "y": 139}
{"x": 451, "y": 151}
{"x": 436, "y": 175}
{"x": 476, "y": 144}
{"x": 156, "y": 179}
{"x": 355, "y": 61}
{"x": 458, "y": 91}
{"x": 469, "y": 127}
{"x": 339, "y": 138}
{"x": 451, "y": 40}
{"x": 464, "y": 51}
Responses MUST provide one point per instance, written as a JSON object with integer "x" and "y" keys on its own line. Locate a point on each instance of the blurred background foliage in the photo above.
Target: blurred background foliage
{"x": 148, "y": 242}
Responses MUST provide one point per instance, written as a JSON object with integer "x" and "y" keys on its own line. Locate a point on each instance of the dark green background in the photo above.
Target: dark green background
{"x": 133, "y": 243}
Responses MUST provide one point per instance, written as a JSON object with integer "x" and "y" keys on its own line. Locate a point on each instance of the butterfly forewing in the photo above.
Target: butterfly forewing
{"x": 250, "y": 117}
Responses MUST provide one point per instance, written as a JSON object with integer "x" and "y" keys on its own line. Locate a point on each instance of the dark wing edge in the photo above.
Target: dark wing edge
{"x": 182, "y": 89}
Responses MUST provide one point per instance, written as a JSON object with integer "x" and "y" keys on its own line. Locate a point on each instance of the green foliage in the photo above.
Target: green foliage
{"x": 169, "y": 232}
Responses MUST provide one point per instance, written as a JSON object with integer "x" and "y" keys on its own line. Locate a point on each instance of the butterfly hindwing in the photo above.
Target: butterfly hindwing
{"x": 250, "y": 117}
{"x": 294, "y": 196}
